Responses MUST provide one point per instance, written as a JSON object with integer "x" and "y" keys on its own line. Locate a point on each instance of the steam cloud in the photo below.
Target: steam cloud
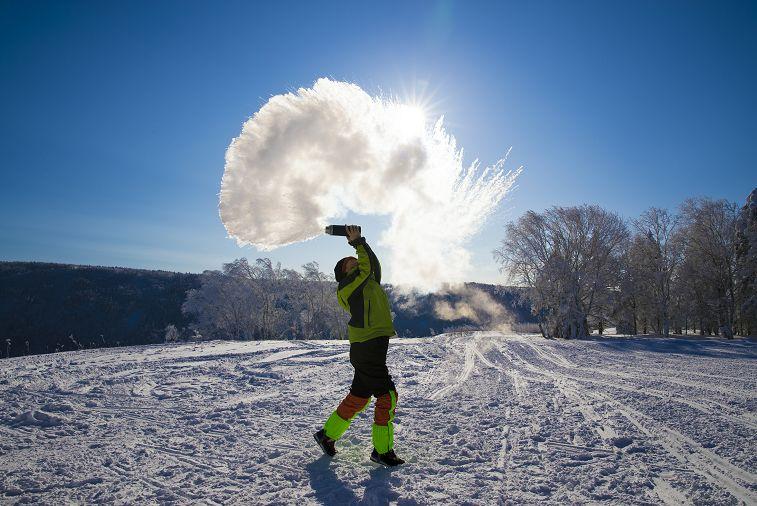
{"x": 306, "y": 158}
{"x": 475, "y": 305}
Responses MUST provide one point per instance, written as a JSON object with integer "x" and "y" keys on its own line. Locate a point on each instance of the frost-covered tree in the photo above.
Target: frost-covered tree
{"x": 264, "y": 301}
{"x": 631, "y": 309}
{"x": 172, "y": 334}
{"x": 656, "y": 256}
{"x": 709, "y": 237}
{"x": 266, "y": 282}
{"x": 321, "y": 316}
{"x": 569, "y": 258}
{"x": 76, "y": 344}
{"x": 696, "y": 295}
{"x": 224, "y": 306}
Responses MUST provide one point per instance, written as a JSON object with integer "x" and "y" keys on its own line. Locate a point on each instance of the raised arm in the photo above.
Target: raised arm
{"x": 367, "y": 266}
{"x": 366, "y": 259}
{"x": 373, "y": 263}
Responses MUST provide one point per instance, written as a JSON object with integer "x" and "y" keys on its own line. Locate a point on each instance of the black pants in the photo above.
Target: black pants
{"x": 371, "y": 374}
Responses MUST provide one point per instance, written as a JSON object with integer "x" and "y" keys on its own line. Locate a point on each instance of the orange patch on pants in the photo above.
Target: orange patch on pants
{"x": 383, "y": 408}
{"x": 350, "y": 406}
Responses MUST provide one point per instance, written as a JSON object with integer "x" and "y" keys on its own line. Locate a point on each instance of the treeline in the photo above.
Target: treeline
{"x": 587, "y": 269}
{"x": 250, "y": 301}
{"x": 48, "y": 307}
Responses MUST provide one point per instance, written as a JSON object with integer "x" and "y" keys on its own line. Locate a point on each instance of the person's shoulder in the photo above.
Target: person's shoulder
{"x": 349, "y": 278}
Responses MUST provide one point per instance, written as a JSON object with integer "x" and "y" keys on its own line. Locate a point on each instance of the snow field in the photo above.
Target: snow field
{"x": 483, "y": 418}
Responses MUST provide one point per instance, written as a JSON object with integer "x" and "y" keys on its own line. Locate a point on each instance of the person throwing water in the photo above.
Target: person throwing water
{"x": 359, "y": 292}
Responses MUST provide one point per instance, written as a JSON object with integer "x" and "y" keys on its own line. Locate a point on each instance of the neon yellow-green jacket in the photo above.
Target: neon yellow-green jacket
{"x": 361, "y": 295}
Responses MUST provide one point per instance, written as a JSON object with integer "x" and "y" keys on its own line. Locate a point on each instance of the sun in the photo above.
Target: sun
{"x": 406, "y": 121}
{"x": 414, "y": 111}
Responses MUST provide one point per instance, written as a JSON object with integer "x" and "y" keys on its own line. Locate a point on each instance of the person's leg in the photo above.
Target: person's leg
{"x": 382, "y": 386}
{"x": 340, "y": 420}
{"x": 355, "y": 402}
{"x": 383, "y": 428}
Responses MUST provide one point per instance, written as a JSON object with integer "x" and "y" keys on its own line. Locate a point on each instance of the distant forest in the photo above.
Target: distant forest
{"x": 47, "y": 307}
{"x": 55, "y": 307}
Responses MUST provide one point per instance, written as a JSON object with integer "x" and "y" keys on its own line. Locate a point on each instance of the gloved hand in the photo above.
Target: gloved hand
{"x": 353, "y": 232}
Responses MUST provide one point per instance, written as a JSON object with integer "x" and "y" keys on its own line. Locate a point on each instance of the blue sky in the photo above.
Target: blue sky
{"x": 115, "y": 116}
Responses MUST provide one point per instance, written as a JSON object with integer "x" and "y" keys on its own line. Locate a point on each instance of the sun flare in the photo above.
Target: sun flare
{"x": 408, "y": 120}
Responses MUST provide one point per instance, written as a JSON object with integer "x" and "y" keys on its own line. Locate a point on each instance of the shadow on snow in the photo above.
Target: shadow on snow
{"x": 330, "y": 490}
{"x": 699, "y": 346}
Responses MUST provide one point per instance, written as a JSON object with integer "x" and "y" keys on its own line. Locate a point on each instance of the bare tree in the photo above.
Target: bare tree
{"x": 568, "y": 257}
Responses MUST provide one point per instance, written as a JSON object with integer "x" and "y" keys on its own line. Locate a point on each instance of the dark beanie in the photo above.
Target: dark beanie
{"x": 339, "y": 273}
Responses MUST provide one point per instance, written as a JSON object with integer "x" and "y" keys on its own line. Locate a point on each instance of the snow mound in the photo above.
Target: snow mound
{"x": 58, "y": 407}
{"x": 37, "y": 418}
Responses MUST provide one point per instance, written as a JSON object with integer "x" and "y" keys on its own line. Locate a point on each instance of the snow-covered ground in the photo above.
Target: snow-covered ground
{"x": 483, "y": 418}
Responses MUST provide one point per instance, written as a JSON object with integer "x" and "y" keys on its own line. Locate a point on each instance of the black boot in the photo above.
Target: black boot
{"x": 388, "y": 459}
{"x": 325, "y": 442}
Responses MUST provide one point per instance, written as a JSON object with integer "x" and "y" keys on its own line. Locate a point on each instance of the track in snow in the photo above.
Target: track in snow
{"x": 483, "y": 418}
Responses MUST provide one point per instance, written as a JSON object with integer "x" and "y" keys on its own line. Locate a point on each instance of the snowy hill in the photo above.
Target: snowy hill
{"x": 483, "y": 418}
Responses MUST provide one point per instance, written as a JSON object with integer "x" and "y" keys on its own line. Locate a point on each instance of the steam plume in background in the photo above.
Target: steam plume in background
{"x": 306, "y": 158}
{"x": 475, "y": 305}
